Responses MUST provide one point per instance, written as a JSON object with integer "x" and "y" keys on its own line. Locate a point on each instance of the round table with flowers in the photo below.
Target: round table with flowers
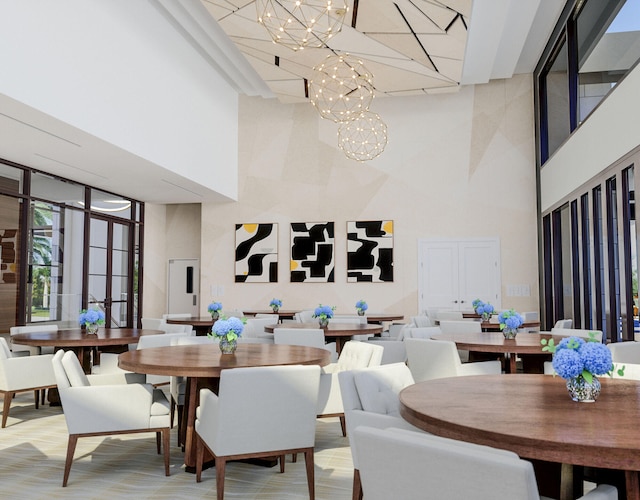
{"x": 534, "y": 416}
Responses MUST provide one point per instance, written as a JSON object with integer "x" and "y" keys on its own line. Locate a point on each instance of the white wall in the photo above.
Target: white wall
{"x": 119, "y": 70}
{"x": 457, "y": 166}
{"x": 609, "y": 133}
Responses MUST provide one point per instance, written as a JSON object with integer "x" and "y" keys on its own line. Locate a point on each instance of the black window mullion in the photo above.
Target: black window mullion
{"x": 575, "y": 264}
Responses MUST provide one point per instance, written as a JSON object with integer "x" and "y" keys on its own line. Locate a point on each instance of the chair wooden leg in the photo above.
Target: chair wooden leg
{"x": 8, "y": 396}
{"x": 221, "y": 465}
{"x": 308, "y": 458}
{"x": 158, "y": 442}
{"x": 71, "y": 449}
{"x": 181, "y": 430}
{"x": 171, "y": 412}
{"x": 199, "y": 458}
{"x": 357, "y": 486}
{"x": 166, "y": 443}
{"x": 294, "y": 457}
{"x": 282, "y": 460}
{"x": 43, "y": 394}
{"x": 36, "y": 395}
{"x": 343, "y": 425}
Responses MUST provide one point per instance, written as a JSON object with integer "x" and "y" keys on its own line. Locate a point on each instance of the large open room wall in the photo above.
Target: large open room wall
{"x": 457, "y": 166}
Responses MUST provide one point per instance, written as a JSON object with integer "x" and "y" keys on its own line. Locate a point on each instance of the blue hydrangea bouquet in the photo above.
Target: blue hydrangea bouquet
{"x": 275, "y": 305}
{"x": 227, "y": 330}
{"x": 92, "y": 319}
{"x": 215, "y": 308}
{"x": 324, "y": 314}
{"x": 361, "y": 307}
{"x": 510, "y": 321}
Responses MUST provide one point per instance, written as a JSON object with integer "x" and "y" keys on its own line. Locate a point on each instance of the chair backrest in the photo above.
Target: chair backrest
{"x": 163, "y": 340}
{"x": 254, "y": 327}
{"x": 176, "y": 315}
{"x": 274, "y": 317}
{"x": 462, "y": 326}
{"x": 625, "y": 352}
{"x": 442, "y": 467}
{"x": 152, "y": 323}
{"x": 191, "y": 340}
{"x": 33, "y": 350}
{"x": 422, "y": 321}
{"x": 350, "y": 319}
{"x": 421, "y": 333}
{"x": 394, "y": 351}
{"x": 576, "y": 332}
{"x": 357, "y": 354}
{"x": 530, "y": 316}
{"x": 283, "y": 397}
{"x": 233, "y": 312}
{"x": 68, "y": 371}
{"x": 305, "y": 316}
{"x": 429, "y": 359}
{"x": 312, "y": 337}
{"x": 175, "y": 328}
{"x": 5, "y": 352}
{"x": 564, "y": 323}
{"x": 449, "y": 316}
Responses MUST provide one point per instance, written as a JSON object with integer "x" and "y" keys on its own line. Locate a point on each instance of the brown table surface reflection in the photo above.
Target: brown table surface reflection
{"x": 79, "y": 340}
{"x": 201, "y": 324}
{"x": 533, "y": 416}
{"x": 525, "y": 345}
{"x": 340, "y": 332}
{"x": 197, "y": 362}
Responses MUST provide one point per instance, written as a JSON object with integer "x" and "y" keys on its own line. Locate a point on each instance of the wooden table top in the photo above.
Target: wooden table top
{"x": 80, "y": 338}
{"x": 193, "y": 321}
{"x": 524, "y": 343}
{"x": 333, "y": 329}
{"x": 533, "y": 416}
{"x": 494, "y": 326}
{"x": 282, "y": 313}
{"x": 381, "y": 317}
{"x": 206, "y": 360}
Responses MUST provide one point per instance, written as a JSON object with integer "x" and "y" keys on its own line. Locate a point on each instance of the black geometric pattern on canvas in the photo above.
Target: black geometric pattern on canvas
{"x": 256, "y": 253}
{"x": 312, "y": 252}
{"x": 370, "y": 251}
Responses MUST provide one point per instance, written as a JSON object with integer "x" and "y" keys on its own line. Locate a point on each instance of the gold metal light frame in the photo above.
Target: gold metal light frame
{"x": 363, "y": 138}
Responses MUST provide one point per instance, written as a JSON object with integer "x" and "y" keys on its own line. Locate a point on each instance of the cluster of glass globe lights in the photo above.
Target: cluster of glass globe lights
{"x": 341, "y": 88}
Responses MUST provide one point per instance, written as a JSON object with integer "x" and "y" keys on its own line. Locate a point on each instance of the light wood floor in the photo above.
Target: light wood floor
{"x": 33, "y": 447}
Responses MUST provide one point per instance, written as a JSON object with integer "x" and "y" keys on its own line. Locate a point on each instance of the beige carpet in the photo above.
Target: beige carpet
{"x": 33, "y": 447}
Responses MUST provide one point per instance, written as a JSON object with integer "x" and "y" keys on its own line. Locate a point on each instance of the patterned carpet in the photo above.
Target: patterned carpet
{"x": 33, "y": 448}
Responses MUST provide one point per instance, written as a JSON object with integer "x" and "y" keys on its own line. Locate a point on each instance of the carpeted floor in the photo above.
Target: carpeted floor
{"x": 33, "y": 448}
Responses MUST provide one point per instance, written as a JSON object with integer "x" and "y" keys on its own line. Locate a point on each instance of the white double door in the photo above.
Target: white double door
{"x": 453, "y": 273}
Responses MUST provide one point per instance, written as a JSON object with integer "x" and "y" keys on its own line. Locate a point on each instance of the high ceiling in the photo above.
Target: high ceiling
{"x": 410, "y": 46}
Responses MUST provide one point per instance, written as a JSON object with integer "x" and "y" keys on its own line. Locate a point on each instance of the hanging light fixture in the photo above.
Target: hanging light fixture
{"x": 363, "y": 138}
{"x": 301, "y": 23}
{"x": 341, "y": 87}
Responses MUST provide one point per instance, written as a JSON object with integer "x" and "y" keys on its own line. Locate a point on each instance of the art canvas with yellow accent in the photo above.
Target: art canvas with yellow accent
{"x": 257, "y": 253}
{"x": 370, "y": 251}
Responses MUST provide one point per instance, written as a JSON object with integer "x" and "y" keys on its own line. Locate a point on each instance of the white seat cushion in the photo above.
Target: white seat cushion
{"x": 379, "y": 393}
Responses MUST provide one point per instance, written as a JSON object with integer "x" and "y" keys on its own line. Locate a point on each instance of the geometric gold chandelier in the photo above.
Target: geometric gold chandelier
{"x": 301, "y": 23}
{"x": 363, "y": 138}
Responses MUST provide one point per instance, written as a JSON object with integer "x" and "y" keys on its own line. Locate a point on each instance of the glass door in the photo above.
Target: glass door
{"x": 110, "y": 270}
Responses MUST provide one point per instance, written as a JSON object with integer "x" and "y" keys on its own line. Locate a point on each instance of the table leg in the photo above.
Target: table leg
{"x": 189, "y": 417}
{"x": 632, "y": 484}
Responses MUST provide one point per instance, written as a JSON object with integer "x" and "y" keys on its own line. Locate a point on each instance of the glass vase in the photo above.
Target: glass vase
{"x": 92, "y": 329}
{"x": 275, "y": 308}
{"x": 323, "y": 322}
{"x": 360, "y": 312}
{"x": 582, "y": 391}
{"x": 228, "y": 346}
{"x": 510, "y": 333}
{"x": 486, "y": 316}
{"x": 215, "y": 315}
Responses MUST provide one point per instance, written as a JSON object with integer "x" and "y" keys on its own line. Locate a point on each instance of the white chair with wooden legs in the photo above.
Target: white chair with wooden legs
{"x": 284, "y": 398}
{"x": 396, "y": 463}
{"x": 29, "y": 350}
{"x": 23, "y": 374}
{"x": 98, "y": 410}
{"x": 625, "y": 352}
{"x": 311, "y": 337}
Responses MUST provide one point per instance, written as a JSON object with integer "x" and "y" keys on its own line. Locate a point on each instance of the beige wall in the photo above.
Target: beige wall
{"x": 457, "y": 166}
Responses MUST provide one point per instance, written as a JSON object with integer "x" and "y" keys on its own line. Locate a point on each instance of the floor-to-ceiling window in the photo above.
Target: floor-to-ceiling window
{"x": 56, "y": 230}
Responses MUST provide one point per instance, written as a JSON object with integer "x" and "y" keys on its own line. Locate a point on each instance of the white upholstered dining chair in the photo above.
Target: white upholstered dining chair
{"x": 421, "y": 465}
{"x": 284, "y": 398}
{"x": 23, "y": 374}
{"x": 28, "y": 350}
{"x": 98, "y": 410}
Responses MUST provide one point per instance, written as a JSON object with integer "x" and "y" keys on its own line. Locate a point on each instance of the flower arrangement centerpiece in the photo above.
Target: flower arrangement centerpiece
{"x": 227, "y": 330}
{"x": 275, "y": 305}
{"x": 361, "y": 307}
{"x": 324, "y": 314}
{"x": 510, "y": 321}
{"x": 475, "y": 304}
{"x": 215, "y": 308}
{"x": 485, "y": 310}
{"x": 578, "y": 362}
{"x": 91, "y": 319}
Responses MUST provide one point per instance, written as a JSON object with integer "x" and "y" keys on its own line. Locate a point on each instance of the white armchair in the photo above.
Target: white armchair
{"x": 23, "y": 374}
{"x": 577, "y": 332}
{"x": 354, "y": 355}
{"x": 429, "y": 359}
{"x": 284, "y": 398}
{"x": 91, "y": 410}
{"x": 305, "y": 316}
{"x": 370, "y": 397}
{"x": 424, "y": 332}
{"x": 311, "y": 337}
{"x": 625, "y": 352}
{"x": 254, "y": 328}
{"x": 28, "y": 350}
{"x": 394, "y": 350}
{"x": 416, "y": 463}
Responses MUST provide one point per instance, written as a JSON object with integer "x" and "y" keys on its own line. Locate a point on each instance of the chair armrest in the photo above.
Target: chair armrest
{"x": 602, "y": 492}
{"x": 29, "y": 371}
{"x": 329, "y": 395}
{"x": 481, "y": 368}
{"x": 106, "y": 408}
{"x": 116, "y": 378}
{"x": 208, "y": 411}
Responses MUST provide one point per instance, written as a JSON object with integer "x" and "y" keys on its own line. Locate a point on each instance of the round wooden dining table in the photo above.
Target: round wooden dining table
{"x": 338, "y": 332}
{"x": 533, "y": 416}
{"x": 201, "y": 324}
{"x": 82, "y": 342}
{"x": 282, "y": 313}
{"x": 526, "y": 345}
{"x": 202, "y": 364}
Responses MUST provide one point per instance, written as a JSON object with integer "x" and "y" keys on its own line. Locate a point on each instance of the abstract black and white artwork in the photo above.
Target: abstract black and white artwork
{"x": 370, "y": 251}
{"x": 312, "y": 252}
{"x": 257, "y": 253}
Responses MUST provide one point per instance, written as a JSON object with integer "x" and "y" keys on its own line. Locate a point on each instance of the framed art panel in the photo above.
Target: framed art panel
{"x": 257, "y": 253}
{"x": 312, "y": 252}
{"x": 370, "y": 251}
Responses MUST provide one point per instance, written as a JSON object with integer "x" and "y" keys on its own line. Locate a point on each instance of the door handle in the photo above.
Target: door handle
{"x": 455, "y": 301}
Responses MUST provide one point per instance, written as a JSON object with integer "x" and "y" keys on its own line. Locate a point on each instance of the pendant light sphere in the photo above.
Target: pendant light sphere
{"x": 341, "y": 88}
{"x": 302, "y": 23}
{"x": 363, "y": 138}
